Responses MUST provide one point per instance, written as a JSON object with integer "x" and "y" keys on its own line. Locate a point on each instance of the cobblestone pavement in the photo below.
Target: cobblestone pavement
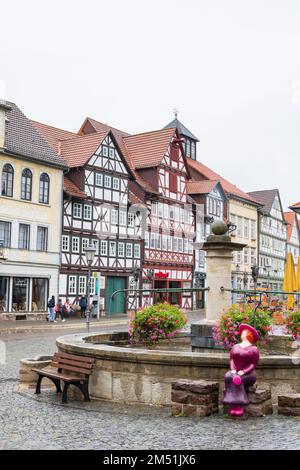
{"x": 27, "y": 422}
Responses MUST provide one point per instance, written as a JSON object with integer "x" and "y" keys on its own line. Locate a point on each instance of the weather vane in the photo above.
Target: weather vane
{"x": 175, "y": 111}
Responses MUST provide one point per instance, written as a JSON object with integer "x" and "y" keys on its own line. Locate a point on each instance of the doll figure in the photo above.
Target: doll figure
{"x": 244, "y": 358}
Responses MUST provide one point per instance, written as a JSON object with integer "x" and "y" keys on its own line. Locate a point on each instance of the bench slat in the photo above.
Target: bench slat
{"x": 72, "y": 368}
{"x": 58, "y": 375}
{"x": 75, "y": 358}
{"x": 69, "y": 362}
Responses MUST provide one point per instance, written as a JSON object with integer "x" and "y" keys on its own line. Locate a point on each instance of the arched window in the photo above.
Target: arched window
{"x": 26, "y": 185}
{"x": 7, "y": 180}
{"x": 44, "y": 188}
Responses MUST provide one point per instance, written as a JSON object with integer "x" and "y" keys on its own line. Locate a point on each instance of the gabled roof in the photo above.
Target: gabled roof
{"x": 182, "y": 130}
{"x": 295, "y": 207}
{"x": 52, "y": 135}
{"x": 265, "y": 198}
{"x": 146, "y": 150}
{"x": 292, "y": 221}
{"x": 230, "y": 189}
{"x": 71, "y": 189}
{"x": 201, "y": 187}
{"x": 22, "y": 138}
{"x": 100, "y": 127}
{"x": 76, "y": 152}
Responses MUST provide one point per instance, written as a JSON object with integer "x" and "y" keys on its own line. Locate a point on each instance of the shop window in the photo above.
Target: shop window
{"x": 4, "y": 286}
{"x": 20, "y": 294}
{"x": 39, "y": 294}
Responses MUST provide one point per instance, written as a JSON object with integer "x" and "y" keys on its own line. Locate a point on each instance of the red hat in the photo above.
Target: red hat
{"x": 244, "y": 326}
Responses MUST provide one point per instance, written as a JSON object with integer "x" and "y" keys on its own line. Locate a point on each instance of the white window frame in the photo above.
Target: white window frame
{"x": 65, "y": 243}
{"x": 103, "y": 247}
{"x": 129, "y": 250}
{"x": 122, "y": 217}
{"x": 99, "y": 179}
{"x": 105, "y": 150}
{"x": 82, "y": 285}
{"x": 130, "y": 219}
{"x": 90, "y": 210}
{"x": 84, "y": 244}
{"x": 114, "y": 217}
{"x": 137, "y": 251}
{"x": 77, "y": 206}
{"x": 107, "y": 178}
{"x": 78, "y": 244}
{"x": 116, "y": 187}
{"x": 121, "y": 250}
{"x": 72, "y": 280}
{"x": 113, "y": 249}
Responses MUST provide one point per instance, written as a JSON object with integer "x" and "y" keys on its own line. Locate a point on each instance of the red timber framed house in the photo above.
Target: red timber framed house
{"x": 161, "y": 173}
{"x": 96, "y": 208}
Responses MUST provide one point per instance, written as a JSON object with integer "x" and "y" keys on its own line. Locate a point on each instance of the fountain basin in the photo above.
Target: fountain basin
{"x": 139, "y": 375}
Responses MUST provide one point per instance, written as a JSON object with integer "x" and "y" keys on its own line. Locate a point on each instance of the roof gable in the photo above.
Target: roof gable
{"x": 147, "y": 150}
{"x": 230, "y": 189}
{"x": 23, "y": 139}
{"x": 182, "y": 130}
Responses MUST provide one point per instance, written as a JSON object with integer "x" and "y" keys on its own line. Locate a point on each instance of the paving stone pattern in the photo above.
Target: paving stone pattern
{"x": 27, "y": 422}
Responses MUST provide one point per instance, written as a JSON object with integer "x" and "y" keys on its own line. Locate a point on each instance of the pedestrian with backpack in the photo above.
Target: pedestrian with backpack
{"x": 51, "y": 305}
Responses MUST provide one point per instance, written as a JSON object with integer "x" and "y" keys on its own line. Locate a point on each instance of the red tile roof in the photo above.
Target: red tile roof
{"x": 228, "y": 187}
{"x": 72, "y": 190}
{"x": 52, "y": 135}
{"x": 201, "y": 187}
{"x": 76, "y": 152}
{"x": 291, "y": 219}
{"x": 146, "y": 150}
{"x": 101, "y": 127}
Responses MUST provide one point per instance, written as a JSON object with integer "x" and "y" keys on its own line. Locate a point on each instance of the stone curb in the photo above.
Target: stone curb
{"x": 48, "y": 328}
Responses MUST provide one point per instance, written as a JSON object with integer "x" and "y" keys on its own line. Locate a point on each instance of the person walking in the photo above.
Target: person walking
{"x": 83, "y": 305}
{"x": 58, "y": 310}
{"x": 66, "y": 309}
{"x": 51, "y": 305}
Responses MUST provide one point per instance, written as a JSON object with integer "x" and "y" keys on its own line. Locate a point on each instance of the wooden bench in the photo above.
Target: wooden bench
{"x": 70, "y": 369}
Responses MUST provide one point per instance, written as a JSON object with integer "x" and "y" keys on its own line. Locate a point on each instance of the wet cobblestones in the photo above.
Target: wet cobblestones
{"x": 30, "y": 422}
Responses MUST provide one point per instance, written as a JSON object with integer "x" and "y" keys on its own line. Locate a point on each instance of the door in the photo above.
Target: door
{"x": 118, "y": 304}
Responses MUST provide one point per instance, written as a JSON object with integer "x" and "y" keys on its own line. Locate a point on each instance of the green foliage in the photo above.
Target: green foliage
{"x": 226, "y": 332}
{"x": 156, "y": 322}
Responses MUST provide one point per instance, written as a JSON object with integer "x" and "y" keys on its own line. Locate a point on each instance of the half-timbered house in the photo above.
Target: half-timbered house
{"x": 160, "y": 171}
{"x": 96, "y": 209}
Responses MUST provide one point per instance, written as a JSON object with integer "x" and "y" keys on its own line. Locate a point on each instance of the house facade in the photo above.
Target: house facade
{"x": 96, "y": 209}
{"x": 272, "y": 231}
{"x": 31, "y": 175}
{"x": 293, "y": 235}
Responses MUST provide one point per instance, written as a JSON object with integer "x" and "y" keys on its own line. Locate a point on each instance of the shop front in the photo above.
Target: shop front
{"x": 23, "y": 294}
{"x": 168, "y": 279}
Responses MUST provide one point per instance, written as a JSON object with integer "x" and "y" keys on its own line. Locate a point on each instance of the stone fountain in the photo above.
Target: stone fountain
{"x": 219, "y": 250}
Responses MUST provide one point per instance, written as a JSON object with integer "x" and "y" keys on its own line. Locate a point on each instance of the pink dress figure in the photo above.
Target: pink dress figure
{"x": 244, "y": 358}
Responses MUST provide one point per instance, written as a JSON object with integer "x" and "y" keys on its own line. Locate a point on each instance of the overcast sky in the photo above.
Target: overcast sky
{"x": 231, "y": 67}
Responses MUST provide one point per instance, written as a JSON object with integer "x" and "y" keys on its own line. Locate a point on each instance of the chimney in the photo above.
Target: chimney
{"x": 3, "y": 109}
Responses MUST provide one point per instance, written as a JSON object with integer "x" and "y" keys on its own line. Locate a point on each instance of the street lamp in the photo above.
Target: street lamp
{"x": 89, "y": 255}
{"x": 136, "y": 278}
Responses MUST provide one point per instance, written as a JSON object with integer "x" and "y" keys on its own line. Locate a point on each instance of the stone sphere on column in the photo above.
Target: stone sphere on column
{"x": 218, "y": 227}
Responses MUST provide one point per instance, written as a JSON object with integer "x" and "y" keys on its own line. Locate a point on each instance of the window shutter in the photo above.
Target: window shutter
{"x": 173, "y": 182}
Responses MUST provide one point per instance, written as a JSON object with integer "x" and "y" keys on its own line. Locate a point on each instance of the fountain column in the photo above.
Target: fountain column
{"x": 219, "y": 250}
